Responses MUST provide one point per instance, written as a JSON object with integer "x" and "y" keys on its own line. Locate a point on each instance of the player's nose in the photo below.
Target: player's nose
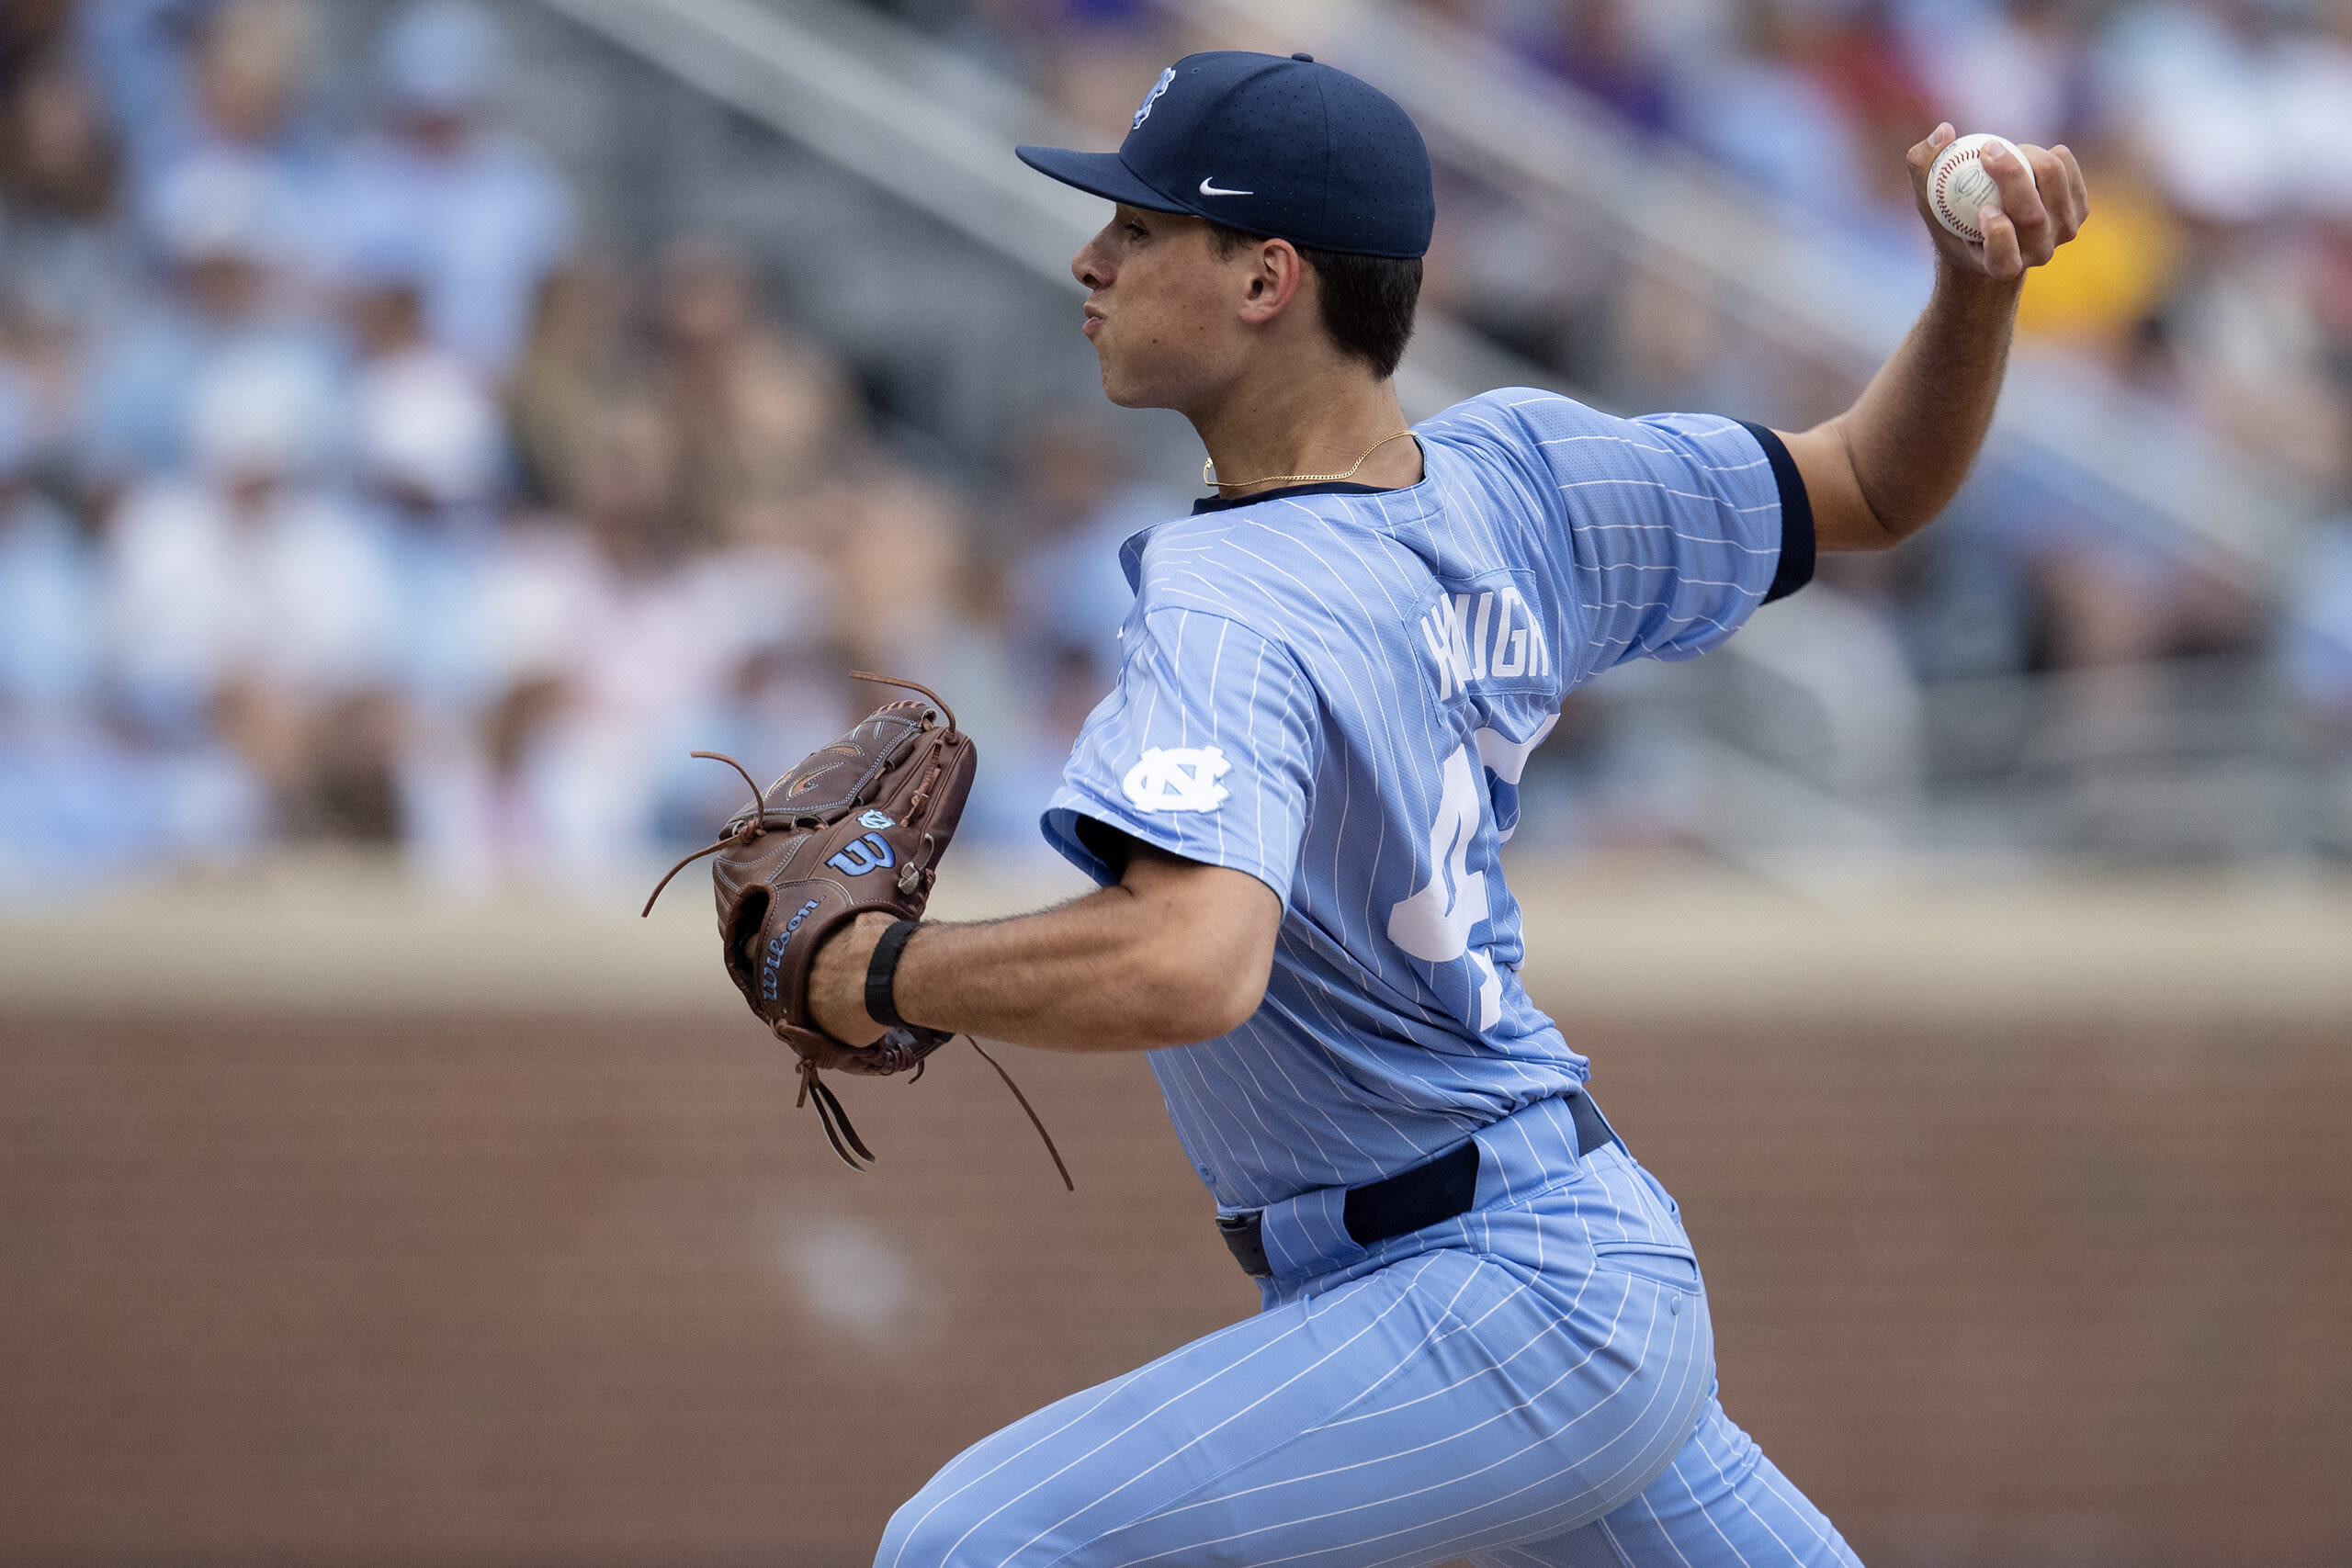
{"x": 1090, "y": 267}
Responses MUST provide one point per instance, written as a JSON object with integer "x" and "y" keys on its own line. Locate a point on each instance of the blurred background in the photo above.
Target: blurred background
{"x": 422, "y": 425}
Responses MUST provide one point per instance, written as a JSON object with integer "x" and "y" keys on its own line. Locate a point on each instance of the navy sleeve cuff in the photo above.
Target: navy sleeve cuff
{"x": 1108, "y": 845}
{"x": 1796, "y": 516}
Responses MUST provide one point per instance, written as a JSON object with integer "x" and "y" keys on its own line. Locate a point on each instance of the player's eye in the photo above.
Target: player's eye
{"x": 1137, "y": 230}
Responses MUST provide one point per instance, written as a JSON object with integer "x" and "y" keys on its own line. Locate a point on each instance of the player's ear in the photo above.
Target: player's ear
{"x": 1275, "y": 275}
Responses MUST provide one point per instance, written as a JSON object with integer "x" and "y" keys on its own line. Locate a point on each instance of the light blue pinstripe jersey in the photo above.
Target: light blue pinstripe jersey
{"x": 1337, "y": 693}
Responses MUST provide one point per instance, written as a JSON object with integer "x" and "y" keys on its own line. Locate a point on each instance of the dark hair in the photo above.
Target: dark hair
{"x": 1367, "y": 301}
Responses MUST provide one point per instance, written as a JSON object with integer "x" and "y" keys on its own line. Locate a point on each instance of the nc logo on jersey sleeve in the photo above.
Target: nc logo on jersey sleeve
{"x": 1177, "y": 778}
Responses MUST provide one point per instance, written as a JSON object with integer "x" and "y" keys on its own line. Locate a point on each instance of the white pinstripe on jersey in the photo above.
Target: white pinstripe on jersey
{"x": 1371, "y": 670}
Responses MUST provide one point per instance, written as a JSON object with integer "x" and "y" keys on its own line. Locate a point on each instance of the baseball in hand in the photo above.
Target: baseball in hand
{"x": 1959, "y": 185}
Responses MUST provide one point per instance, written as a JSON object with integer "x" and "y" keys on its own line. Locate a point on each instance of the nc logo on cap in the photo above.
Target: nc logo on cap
{"x": 1153, "y": 98}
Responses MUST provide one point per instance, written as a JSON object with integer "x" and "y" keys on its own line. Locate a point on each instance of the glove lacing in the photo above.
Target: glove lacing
{"x": 839, "y": 1130}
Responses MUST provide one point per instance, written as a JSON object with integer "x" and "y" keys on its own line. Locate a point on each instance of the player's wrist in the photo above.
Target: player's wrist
{"x": 837, "y": 979}
{"x": 1966, "y": 291}
{"x": 1964, "y": 274}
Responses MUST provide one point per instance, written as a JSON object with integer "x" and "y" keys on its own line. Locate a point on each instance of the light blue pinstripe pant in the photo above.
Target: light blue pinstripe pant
{"x": 1530, "y": 1384}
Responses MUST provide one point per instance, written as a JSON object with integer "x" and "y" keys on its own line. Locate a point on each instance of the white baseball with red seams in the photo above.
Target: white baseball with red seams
{"x": 1959, "y": 185}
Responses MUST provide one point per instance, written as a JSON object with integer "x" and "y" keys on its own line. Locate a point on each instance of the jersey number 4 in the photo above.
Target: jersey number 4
{"x": 1434, "y": 923}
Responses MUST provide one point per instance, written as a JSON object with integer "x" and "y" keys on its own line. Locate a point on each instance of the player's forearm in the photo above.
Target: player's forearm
{"x": 1887, "y": 467}
{"x": 1107, "y": 972}
{"x": 1912, "y": 435}
{"x": 1178, "y": 952}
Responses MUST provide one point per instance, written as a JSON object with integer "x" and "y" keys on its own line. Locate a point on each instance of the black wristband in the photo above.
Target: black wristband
{"x": 882, "y": 975}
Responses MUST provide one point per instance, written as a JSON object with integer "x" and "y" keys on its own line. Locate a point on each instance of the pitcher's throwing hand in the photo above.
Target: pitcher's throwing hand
{"x": 2038, "y": 201}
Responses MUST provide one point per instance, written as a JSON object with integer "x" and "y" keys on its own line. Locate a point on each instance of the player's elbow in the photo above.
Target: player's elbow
{"x": 1199, "y": 946}
{"x": 1201, "y": 994}
{"x": 1850, "y": 514}
{"x": 1202, "y": 973}
{"x": 1874, "y": 525}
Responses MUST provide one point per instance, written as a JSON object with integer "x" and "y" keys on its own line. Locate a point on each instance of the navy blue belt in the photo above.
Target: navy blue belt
{"x": 1400, "y": 1204}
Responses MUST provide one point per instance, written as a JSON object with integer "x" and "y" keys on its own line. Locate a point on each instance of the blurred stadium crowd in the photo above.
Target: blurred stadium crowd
{"x": 347, "y": 499}
{"x": 350, "y": 492}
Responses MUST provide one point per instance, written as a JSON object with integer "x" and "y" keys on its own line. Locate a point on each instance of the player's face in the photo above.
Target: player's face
{"x": 1161, "y": 309}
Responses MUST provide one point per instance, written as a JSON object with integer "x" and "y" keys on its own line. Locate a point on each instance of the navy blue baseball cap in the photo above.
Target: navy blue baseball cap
{"x": 1283, "y": 147}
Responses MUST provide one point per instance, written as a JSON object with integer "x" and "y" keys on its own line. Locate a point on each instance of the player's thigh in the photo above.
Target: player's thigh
{"x": 1721, "y": 1503}
{"x": 1403, "y": 1418}
{"x": 1106, "y": 1456}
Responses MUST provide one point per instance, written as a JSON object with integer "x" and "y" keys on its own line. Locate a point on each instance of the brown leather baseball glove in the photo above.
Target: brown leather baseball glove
{"x": 859, "y": 826}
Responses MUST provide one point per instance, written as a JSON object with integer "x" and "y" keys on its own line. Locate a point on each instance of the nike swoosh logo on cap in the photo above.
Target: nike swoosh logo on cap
{"x": 1208, "y": 189}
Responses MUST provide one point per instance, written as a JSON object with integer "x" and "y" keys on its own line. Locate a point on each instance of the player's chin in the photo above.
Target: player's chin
{"x": 1129, "y": 391}
{"x": 1126, "y": 396}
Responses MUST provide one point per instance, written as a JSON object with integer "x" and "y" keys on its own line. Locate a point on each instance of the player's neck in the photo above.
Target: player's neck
{"x": 1268, "y": 427}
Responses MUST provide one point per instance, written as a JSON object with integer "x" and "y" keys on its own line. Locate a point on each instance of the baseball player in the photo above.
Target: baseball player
{"x": 1483, "y": 1331}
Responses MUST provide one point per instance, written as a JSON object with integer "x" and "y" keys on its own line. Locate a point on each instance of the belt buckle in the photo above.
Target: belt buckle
{"x": 1245, "y": 1238}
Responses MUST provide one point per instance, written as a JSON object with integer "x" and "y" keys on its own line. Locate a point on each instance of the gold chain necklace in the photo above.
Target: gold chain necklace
{"x": 1208, "y": 469}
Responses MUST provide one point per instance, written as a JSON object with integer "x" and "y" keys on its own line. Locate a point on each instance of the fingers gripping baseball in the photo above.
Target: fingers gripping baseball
{"x": 2035, "y": 202}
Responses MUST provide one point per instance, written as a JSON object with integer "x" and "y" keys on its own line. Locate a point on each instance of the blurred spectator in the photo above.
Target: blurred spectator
{"x": 2098, "y": 292}
{"x": 2258, "y": 354}
{"x": 2318, "y": 645}
{"x": 224, "y": 226}
{"x": 2110, "y": 602}
{"x": 2023, "y": 67}
{"x": 247, "y": 595}
{"x": 760, "y": 421}
{"x": 61, "y": 788}
{"x": 2316, "y": 652}
{"x": 2192, "y": 85}
{"x": 473, "y": 792}
{"x": 2315, "y": 74}
{"x": 50, "y": 593}
{"x": 192, "y": 78}
{"x": 1767, "y": 116}
{"x": 1599, "y": 45}
{"x": 1083, "y": 56}
{"x": 489, "y": 216}
{"x": 900, "y": 529}
{"x": 426, "y": 437}
{"x": 57, "y": 256}
{"x": 428, "y": 455}
{"x": 29, "y": 31}
{"x": 628, "y": 488}
{"x": 2245, "y": 114}
{"x": 1861, "y": 60}
{"x": 574, "y": 363}
{"x": 1076, "y": 502}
